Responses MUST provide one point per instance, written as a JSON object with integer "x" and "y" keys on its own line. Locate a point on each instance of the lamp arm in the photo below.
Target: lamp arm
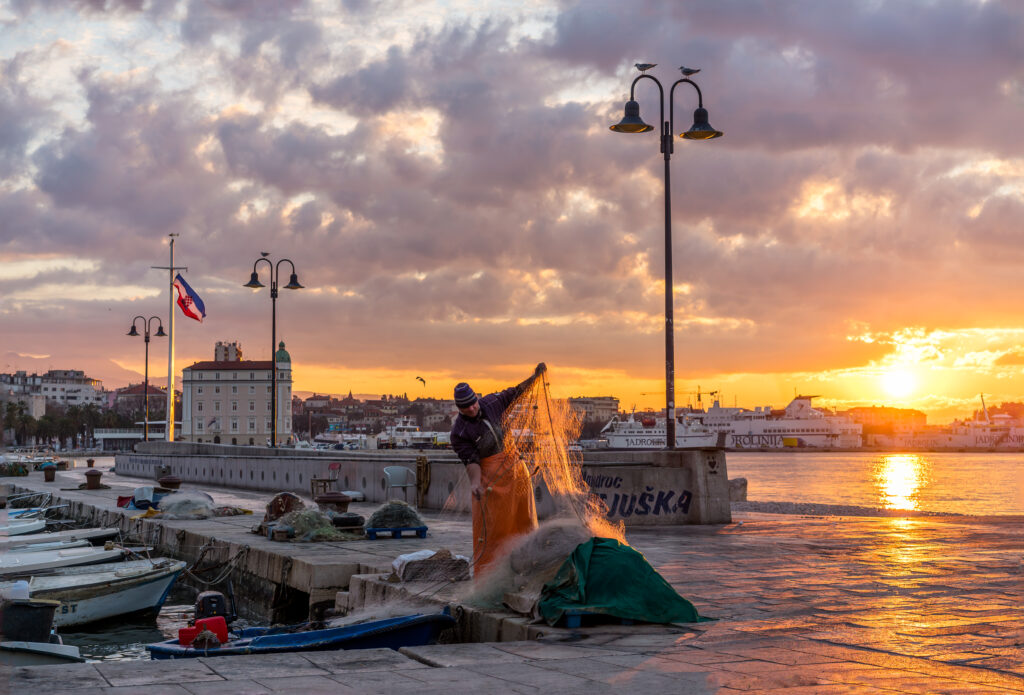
{"x": 672, "y": 101}
{"x": 661, "y": 93}
{"x": 268, "y": 262}
{"x": 284, "y": 260}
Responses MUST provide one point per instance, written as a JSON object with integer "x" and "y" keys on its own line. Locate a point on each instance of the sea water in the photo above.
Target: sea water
{"x": 977, "y": 484}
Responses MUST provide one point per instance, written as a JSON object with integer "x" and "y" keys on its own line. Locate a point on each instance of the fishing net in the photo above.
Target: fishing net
{"x": 395, "y": 514}
{"x": 187, "y": 505}
{"x": 312, "y": 525}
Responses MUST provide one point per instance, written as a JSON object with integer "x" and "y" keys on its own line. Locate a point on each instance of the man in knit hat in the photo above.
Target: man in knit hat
{"x": 502, "y": 494}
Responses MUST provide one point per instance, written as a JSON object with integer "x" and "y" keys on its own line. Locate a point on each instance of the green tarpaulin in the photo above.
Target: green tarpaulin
{"x": 608, "y": 577}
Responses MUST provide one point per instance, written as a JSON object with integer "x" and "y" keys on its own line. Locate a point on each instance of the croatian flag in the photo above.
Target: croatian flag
{"x": 190, "y": 303}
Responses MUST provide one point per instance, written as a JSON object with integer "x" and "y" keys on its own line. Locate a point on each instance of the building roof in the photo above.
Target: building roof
{"x": 229, "y": 365}
{"x": 282, "y": 354}
{"x": 140, "y": 390}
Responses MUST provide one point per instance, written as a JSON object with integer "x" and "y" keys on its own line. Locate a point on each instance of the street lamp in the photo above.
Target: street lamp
{"x": 700, "y": 130}
{"x": 293, "y": 284}
{"x": 159, "y": 334}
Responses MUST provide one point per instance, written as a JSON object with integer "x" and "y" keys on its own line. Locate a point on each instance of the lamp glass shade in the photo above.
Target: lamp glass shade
{"x": 254, "y": 281}
{"x": 701, "y": 129}
{"x": 160, "y": 332}
{"x": 133, "y": 331}
{"x": 631, "y": 121}
{"x": 293, "y": 283}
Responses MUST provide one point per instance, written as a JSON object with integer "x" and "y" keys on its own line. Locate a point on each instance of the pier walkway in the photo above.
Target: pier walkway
{"x": 803, "y": 605}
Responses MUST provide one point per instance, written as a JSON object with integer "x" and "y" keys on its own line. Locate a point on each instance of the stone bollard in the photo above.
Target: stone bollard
{"x": 738, "y": 490}
{"x": 90, "y": 463}
{"x": 49, "y": 473}
{"x": 171, "y": 482}
{"x": 92, "y": 479}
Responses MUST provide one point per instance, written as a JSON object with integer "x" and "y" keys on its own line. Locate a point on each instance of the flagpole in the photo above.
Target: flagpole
{"x": 170, "y": 339}
{"x": 170, "y": 346}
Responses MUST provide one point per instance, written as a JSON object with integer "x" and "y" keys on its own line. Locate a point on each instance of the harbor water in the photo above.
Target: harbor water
{"x": 977, "y": 484}
{"x": 960, "y": 483}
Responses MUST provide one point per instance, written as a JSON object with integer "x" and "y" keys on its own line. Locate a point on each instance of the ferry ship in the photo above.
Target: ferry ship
{"x": 798, "y": 425}
{"x": 647, "y": 431}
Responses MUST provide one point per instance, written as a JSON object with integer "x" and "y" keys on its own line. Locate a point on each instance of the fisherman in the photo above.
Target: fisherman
{"x": 502, "y": 494}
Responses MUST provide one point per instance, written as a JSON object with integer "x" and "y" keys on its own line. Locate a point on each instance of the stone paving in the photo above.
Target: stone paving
{"x": 803, "y": 605}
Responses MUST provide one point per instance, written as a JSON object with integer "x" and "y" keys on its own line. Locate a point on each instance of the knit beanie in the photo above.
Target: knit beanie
{"x": 464, "y": 395}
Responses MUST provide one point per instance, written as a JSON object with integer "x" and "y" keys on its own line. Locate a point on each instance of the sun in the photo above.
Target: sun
{"x": 899, "y": 383}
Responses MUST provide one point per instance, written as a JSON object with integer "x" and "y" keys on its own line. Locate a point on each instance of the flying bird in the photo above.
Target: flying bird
{"x": 644, "y": 67}
{"x": 688, "y": 71}
{"x": 264, "y": 253}
{"x": 419, "y": 378}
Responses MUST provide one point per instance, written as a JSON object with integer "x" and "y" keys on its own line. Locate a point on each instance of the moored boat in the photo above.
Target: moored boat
{"x": 18, "y": 527}
{"x": 98, "y": 592}
{"x": 93, "y": 535}
{"x": 390, "y": 633}
{"x": 26, "y": 562}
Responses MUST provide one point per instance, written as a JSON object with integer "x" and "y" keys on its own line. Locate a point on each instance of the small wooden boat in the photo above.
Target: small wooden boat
{"x": 18, "y": 527}
{"x": 38, "y": 654}
{"x": 98, "y": 592}
{"x": 41, "y": 546}
{"x": 22, "y": 563}
{"x": 390, "y": 633}
{"x": 93, "y": 535}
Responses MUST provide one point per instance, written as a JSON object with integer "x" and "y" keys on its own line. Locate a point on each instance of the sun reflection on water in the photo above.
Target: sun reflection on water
{"x": 899, "y": 478}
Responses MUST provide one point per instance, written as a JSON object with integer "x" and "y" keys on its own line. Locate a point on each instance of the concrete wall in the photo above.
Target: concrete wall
{"x": 640, "y": 488}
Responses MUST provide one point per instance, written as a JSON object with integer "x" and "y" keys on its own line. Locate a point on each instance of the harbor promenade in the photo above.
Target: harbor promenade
{"x": 802, "y": 604}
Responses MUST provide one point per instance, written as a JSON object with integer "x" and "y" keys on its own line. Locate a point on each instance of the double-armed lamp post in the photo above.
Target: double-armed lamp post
{"x": 293, "y": 284}
{"x": 700, "y": 130}
{"x": 146, "y": 326}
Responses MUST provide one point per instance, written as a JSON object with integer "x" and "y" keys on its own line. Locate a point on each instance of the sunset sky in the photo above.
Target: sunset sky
{"x": 443, "y": 177}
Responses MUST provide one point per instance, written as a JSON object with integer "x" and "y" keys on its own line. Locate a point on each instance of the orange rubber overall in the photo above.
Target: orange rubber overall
{"x": 506, "y": 511}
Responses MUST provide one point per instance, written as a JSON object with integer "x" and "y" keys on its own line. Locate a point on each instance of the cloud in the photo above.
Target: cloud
{"x": 449, "y": 192}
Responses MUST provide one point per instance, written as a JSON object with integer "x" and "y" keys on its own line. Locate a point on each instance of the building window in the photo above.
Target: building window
{"x": 234, "y": 406}
{"x": 199, "y": 407}
{"x": 252, "y": 389}
{"x": 268, "y": 388}
{"x": 199, "y": 376}
{"x": 234, "y": 389}
{"x": 252, "y": 406}
{"x": 268, "y": 405}
{"x": 252, "y": 375}
{"x": 266, "y": 425}
{"x": 216, "y": 389}
{"x": 216, "y": 406}
{"x": 199, "y": 425}
{"x": 199, "y": 390}
{"x": 216, "y": 375}
{"x": 252, "y": 424}
{"x": 234, "y": 424}
{"x": 234, "y": 375}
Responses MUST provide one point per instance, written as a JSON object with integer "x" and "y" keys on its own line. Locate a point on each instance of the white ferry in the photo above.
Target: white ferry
{"x": 798, "y": 425}
{"x": 647, "y": 431}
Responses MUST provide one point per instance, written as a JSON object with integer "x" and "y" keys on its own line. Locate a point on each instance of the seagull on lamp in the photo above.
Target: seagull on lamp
{"x": 688, "y": 71}
{"x": 644, "y": 67}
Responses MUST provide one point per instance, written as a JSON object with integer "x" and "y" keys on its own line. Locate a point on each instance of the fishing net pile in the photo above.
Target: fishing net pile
{"x": 395, "y": 514}
{"x": 187, "y": 505}
{"x": 311, "y": 525}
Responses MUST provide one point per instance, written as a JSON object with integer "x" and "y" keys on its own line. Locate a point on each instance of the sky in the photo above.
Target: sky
{"x": 442, "y": 175}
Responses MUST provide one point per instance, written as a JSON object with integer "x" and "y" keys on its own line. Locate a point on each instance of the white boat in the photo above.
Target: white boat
{"x": 28, "y": 562}
{"x": 45, "y": 546}
{"x": 798, "y": 425}
{"x": 18, "y": 527}
{"x": 647, "y": 431}
{"x": 38, "y": 654}
{"x": 99, "y": 592}
{"x": 92, "y": 534}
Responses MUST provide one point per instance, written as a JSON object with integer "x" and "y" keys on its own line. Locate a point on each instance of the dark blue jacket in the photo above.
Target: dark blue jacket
{"x": 472, "y": 438}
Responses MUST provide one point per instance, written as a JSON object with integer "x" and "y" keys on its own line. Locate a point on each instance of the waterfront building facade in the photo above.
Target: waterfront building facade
{"x": 595, "y": 408}
{"x": 227, "y": 401}
{"x": 57, "y": 386}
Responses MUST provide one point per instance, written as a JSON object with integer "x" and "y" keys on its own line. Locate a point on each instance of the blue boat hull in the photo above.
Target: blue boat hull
{"x": 391, "y": 633}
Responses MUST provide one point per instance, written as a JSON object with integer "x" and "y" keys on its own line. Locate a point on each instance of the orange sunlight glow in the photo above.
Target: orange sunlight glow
{"x": 899, "y": 382}
{"x": 899, "y": 477}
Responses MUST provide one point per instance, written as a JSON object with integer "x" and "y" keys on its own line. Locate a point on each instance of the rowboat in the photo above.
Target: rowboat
{"x": 38, "y": 654}
{"x": 17, "y": 527}
{"x": 390, "y": 633}
{"x": 44, "y": 546}
{"x": 94, "y": 535}
{"x": 27, "y": 562}
{"x": 98, "y": 592}
{"x": 25, "y": 626}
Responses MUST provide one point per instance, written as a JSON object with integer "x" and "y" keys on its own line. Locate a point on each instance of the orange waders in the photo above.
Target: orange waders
{"x": 506, "y": 510}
